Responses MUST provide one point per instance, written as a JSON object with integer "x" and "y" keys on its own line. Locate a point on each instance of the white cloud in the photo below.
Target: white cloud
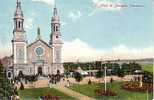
{"x": 78, "y": 49}
{"x": 74, "y": 15}
{"x": 28, "y": 23}
{"x": 48, "y": 2}
{"x": 108, "y": 4}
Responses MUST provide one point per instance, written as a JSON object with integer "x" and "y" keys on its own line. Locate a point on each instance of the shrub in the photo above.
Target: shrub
{"x": 135, "y": 86}
{"x": 77, "y": 76}
{"x": 147, "y": 77}
{"x": 89, "y": 82}
{"x": 22, "y": 86}
{"x": 49, "y": 97}
{"x": 108, "y": 92}
{"x": 111, "y": 80}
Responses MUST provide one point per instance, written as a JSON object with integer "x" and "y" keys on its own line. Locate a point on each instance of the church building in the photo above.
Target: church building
{"x": 38, "y": 57}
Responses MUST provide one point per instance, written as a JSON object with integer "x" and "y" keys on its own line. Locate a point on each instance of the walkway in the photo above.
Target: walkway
{"x": 72, "y": 93}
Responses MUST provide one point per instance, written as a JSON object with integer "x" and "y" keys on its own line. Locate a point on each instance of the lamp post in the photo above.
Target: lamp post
{"x": 68, "y": 68}
{"x": 101, "y": 64}
{"x": 141, "y": 83}
{"x": 101, "y": 69}
{"x": 105, "y": 77}
{"x": 89, "y": 70}
{"x": 147, "y": 95}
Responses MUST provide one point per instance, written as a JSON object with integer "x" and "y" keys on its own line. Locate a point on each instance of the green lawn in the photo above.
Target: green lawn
{"x": 147, "y": 67}
{"x": 89, "y": 90}
{"x": 35, "y": 93}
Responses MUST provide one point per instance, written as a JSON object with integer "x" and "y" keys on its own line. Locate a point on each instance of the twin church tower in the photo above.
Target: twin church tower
{"x": 38, "y": 57}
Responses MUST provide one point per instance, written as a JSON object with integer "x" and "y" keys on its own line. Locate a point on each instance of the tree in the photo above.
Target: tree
{"x": 134, "y": 66}
{"x": 121, "y": 73}
{"x": 6, "y": 87}
{"x": 78, "y": 77}
{"x": 147, "y": 77}
{"x": 126, "y": 68}
{"x": 99, "y": 74}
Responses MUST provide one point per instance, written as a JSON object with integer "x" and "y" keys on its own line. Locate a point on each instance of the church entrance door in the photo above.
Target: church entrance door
{"x": 40, "y": 71}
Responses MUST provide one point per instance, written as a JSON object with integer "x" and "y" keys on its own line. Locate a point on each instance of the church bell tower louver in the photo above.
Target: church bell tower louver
{"x": 56, "y": 42}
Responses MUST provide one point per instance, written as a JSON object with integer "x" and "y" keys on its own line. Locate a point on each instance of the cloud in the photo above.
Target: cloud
{"x": 78, "y": 49}
{"x": 74, "y": 15}
{"x": 48, "y": 2}
{"x": 28, "y": 23}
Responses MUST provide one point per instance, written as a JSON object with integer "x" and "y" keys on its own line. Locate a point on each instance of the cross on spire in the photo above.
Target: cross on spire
{"x": 18, "y": 9}
{"x": 18, "y": 4}
{"x": 55, "y": 13}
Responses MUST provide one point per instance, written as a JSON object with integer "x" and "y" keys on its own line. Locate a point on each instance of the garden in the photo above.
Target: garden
{"x": 40, "y": 93}
{"x": 114, "y": 88}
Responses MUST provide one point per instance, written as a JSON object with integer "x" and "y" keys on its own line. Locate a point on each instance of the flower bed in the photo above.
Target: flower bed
{"x": 108, "y": 92}
{"x": 49, "y": 97}
{"x": 135, "y": 86}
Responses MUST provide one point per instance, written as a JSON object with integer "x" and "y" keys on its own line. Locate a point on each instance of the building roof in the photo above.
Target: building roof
{"x": 39, "y": 39}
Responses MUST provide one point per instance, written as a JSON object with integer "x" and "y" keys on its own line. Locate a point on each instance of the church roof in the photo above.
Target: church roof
{"x": 40, "y": 41}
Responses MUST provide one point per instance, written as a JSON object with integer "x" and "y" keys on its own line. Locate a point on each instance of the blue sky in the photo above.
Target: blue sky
{"x": 87, "y": 21}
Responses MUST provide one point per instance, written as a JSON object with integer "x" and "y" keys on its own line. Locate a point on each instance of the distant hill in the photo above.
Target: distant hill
{"x": 140, "y": 61}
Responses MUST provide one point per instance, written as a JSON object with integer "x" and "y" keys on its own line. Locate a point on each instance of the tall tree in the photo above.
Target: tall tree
{"x": 121, "y": 73}
{"x": 99, "y": 74}
{"x": 6, "y": 88}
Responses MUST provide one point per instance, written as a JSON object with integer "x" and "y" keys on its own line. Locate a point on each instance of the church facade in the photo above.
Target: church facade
{"x": 39, "y": 57}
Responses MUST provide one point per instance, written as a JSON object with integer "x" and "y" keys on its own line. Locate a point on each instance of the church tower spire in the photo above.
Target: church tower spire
{"x": 56, "y": 41}
{"x": 18, "y": 18}
{"x": 19, "y": 41}
{"x": 55, "y": 36}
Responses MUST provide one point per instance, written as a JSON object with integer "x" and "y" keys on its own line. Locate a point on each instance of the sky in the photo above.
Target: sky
{"x": 91, "y": 29}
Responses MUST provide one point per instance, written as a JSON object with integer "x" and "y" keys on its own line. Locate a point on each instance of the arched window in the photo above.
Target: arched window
{"x": 19, "y": 24}
{"x": 16, "y": 24}
{"x": 56, "y": 28}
